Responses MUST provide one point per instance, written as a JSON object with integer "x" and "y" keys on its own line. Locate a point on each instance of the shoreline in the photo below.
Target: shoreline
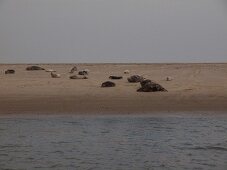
{"x": 190, "y": 114}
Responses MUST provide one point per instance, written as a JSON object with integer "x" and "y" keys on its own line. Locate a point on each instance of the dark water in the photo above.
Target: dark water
{"x": 113, "y": 142}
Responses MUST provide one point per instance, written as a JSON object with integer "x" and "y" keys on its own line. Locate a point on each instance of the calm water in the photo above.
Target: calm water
{"x": 113, "y": 142}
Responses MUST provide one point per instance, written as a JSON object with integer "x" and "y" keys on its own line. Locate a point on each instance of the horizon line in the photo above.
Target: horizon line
{"x": 80, "y": 63}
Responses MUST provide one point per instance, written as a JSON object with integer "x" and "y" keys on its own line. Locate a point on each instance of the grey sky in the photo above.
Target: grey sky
{"x": 113, "y": 31}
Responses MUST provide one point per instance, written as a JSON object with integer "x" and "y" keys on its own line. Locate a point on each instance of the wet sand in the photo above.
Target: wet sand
{"x": 195, "y": 87}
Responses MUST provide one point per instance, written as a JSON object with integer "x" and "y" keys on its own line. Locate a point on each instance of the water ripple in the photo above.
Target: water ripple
{"x": 218, "y": 148}
{"x": 113, "y": 143}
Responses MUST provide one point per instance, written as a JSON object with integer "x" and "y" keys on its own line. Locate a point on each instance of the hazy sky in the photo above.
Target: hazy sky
{"x": 113, "y": 31}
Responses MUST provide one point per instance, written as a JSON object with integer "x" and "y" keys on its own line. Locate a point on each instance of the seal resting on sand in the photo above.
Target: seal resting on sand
{"x": 108, "y": 84}
{"x": 10, "y": 71}
{"x": 83, "y": 72}
{"x": 115, "y": 77}
{"x": 78, "y": 77}
{"x": 126, "y": 72}
{"x": 31, "y": 68}
{"x": 49, "y": 70}
{"x": 135, "y": 79}
{"x": 73, "y": 69}
{"x": 169, "y": 78}
{"x": 54, "y": 75}
{"x": 150, "y": 86}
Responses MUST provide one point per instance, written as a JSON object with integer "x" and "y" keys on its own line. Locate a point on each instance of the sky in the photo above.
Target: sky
{"x": 113, "y": 31}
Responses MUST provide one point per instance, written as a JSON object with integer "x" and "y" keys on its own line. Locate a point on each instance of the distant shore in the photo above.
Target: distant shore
{"x": 195, "y": 87}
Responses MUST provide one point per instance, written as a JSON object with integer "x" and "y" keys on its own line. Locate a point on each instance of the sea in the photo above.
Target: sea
{"x": 114, "y": 142}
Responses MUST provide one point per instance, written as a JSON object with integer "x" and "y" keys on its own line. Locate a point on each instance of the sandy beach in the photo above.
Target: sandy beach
{"x": 195, "y": 87}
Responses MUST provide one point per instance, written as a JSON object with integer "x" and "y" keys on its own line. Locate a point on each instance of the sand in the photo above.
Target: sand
{"x": 195, "y": 87}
